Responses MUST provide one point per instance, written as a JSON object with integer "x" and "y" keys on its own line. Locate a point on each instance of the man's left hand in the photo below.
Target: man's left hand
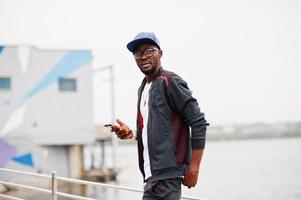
{"x": 191, "y": 175}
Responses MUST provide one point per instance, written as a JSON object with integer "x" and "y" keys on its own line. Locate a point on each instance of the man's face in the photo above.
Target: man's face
{"x": 148, "y": 57}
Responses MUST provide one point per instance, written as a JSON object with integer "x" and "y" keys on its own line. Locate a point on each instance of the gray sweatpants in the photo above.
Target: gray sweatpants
{"x": 169, "y": 189}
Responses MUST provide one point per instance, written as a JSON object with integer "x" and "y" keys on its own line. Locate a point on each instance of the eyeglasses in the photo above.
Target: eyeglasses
{"x": 149, "y": 52}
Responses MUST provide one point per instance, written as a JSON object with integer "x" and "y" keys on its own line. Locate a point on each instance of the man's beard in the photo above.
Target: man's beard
{"x": 149, "y": 70}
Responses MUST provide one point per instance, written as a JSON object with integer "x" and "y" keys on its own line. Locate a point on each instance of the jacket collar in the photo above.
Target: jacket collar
{"x": 156, "y": 76}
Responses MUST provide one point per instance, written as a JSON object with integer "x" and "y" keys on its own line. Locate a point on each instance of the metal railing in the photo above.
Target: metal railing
{"x": 53, "y": 191}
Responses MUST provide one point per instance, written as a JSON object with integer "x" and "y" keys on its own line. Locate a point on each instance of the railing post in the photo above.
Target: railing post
{"x": 53, "y": 186}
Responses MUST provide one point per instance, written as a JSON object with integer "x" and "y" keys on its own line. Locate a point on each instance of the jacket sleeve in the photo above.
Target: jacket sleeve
{"x": 187, "y": 107}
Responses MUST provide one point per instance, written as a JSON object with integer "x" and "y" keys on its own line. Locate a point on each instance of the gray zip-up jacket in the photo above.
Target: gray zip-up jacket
{"x": 172, "y": 110}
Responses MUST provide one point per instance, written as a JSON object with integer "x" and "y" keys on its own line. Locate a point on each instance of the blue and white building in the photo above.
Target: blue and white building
{"x": 46, "y": 113}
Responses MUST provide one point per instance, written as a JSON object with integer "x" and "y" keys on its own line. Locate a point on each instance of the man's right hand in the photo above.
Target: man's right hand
{"x": 122, "y": 130}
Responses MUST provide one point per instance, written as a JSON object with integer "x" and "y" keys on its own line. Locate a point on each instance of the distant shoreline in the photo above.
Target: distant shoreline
{"x": 247, "y": 137}
{"x": 254, "y": 131}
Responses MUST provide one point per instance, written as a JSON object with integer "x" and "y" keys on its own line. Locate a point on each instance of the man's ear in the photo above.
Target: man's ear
{"x": 161, "y": 53}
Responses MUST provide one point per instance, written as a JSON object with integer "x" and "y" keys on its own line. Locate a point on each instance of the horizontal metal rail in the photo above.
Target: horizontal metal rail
{"x": 70, "y": 180}
{"x": 25, "y": 173}
{"x": 10, "y": 197}
{"x": 16, "y": 185}
{"x": 54, "y": 191}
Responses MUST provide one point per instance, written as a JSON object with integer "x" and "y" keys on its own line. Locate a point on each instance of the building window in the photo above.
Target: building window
{"x": 67, "y": 84}
{"x": 5, "y": 83}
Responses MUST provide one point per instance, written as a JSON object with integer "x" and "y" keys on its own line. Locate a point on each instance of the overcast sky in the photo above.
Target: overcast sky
{"x": 241, "y": 58}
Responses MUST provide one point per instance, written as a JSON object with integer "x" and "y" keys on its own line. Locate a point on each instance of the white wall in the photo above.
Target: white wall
{"x": 52, "y": 117}
{"x": 44, "y": 123}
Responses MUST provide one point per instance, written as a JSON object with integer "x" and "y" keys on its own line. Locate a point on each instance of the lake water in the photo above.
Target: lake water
{"x": 262, "y": 169}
